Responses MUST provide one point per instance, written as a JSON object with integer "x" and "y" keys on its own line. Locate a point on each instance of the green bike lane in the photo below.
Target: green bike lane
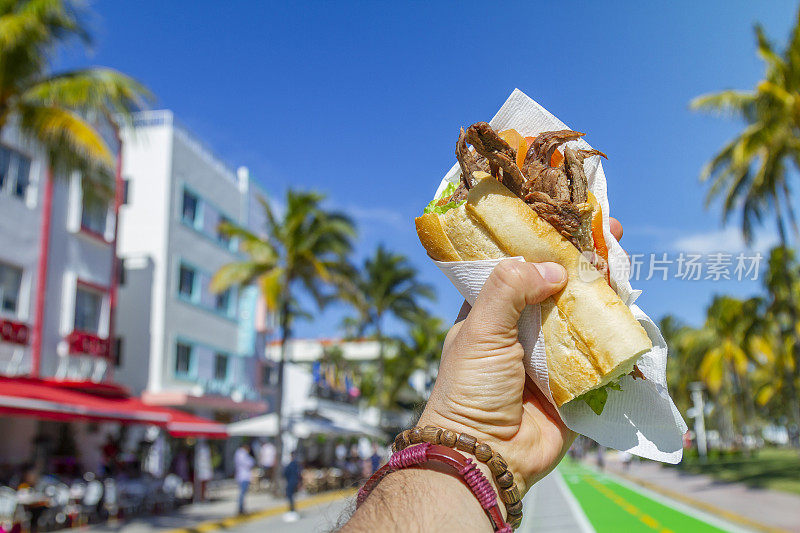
{"x": 613, "y": 507}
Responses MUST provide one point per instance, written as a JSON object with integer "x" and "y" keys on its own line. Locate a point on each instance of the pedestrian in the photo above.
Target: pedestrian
{"x": 375, "y": 458}
{"x": 202, "y": 467}
{"x": 293, "y": 474}
{"x": 627, "y": 458}
{"x": 243, "y": 462}
{"x": 266, "y": 460}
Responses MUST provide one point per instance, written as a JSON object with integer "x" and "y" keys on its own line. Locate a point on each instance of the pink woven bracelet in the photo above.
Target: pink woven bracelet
{"x": 467, "y": 470}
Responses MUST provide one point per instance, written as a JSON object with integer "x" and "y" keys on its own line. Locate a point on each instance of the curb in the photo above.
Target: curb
{"x": 232, "y": 521}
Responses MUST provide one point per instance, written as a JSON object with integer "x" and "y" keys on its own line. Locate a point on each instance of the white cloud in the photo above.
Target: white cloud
{"x": 366, "y": 216}
{"x": 724, "y": 240}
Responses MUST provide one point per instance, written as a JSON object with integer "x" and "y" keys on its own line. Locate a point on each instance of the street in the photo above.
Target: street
{"x": 319, "y": 518}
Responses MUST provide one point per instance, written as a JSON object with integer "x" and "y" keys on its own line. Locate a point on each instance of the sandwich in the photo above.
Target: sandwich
{"x": 529, "y": 197}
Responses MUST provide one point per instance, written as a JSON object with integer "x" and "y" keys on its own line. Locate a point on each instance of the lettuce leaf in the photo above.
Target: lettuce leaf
{"x": 597, "y": 398}
{"x": 441, "y": 209}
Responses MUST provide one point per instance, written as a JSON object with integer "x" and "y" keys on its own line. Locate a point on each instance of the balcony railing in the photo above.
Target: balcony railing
{"x": 14, "y": 332}
{"x": 83, "y": 342}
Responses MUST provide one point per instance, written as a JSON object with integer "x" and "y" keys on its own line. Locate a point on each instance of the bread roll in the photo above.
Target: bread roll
{"x": 591, "y": 337}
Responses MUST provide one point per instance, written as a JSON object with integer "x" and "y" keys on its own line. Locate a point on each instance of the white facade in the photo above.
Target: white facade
{"x": 20, "y": 226}
{"x": 182, "y": 344}
{"x": 79, "y": 268}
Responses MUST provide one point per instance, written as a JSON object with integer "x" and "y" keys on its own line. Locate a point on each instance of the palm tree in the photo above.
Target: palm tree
{"x": 387, "y": 285}
{"x": 751, "y": 173}
{"x": 733, "y": 334}
{"x": 420, "y": 353}
{"x": 782, "y": 282}
{"x": 59, "y": 111}
{"x": 303, "y": 250}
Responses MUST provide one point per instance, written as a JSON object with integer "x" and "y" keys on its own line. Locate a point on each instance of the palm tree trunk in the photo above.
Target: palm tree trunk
{"x": 285, "y": 334}
{"x": 380, "y": 388}
{"x": 794, "y": 319}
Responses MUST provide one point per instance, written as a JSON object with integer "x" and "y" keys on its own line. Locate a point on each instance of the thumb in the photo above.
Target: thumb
{"x": 512, "y": 286}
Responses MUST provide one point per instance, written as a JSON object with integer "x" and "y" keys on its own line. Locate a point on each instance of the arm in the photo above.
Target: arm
{"x": 419, "y": 500}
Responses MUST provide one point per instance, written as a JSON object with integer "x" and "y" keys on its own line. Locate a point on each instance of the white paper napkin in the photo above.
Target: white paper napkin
{"x": 642, "y": 419}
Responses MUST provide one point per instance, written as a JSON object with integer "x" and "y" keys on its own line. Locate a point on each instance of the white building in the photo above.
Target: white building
{"x": 182, "y": 345}
{"x": 56, "y": 333}
{"x": 322, "y": 379}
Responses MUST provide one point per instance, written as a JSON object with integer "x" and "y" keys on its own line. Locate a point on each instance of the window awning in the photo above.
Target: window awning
{"x": 184, "y": 424}
{"x": 51, "y": 400}
{"x": 46, "y": 400}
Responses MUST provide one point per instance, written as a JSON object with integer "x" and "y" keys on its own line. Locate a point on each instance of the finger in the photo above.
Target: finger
{"x": 511, "y": 286}
{"x": 616, "y": 228}
{"x": 463, "y": 312}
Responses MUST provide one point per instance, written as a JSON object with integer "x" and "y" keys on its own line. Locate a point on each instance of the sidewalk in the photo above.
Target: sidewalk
{"x": 549, "y": 507}
{"x": 221, "y": 507}
{"x": 759, "y": 509}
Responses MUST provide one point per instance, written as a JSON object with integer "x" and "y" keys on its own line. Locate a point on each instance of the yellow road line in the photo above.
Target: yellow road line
{"x": 703, "y": 506}
{"x": 628, "y": 507}
{"x": 225, "y": 523}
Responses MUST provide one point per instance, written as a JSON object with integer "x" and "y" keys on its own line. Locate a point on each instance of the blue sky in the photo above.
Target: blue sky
{"x": 364, "y": 101}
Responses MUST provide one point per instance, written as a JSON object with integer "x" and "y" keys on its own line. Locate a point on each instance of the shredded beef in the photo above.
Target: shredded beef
{"x": 500, "y": 155}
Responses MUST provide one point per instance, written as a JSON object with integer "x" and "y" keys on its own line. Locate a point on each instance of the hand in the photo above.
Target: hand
{"x": 482, "y": 388}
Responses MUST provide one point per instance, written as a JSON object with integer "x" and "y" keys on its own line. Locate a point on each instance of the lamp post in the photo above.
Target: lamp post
{"x": 698, "y": 413}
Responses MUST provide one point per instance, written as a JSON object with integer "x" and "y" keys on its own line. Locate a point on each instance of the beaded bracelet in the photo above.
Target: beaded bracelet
{"x": 509, "y": 492}
{"x": 467, "y": 470}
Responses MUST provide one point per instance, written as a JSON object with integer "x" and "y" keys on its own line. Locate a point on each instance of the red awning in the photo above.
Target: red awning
{"x": 64, "y": 402}
{"x": 46, "y": 399}
{"x": 188, "y": 425}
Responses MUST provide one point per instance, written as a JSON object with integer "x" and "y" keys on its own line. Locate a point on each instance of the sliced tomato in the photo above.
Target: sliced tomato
{"x": 513, "y": 138}
{"x": 556, "y": 159}
{"x": 599, "y": 238}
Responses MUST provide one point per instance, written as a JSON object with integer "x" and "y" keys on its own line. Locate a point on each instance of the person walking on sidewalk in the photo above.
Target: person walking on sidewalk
{"x": 293, "y": 475}
{"x": 267, "y": 455}
{"x": 243, "y": 461}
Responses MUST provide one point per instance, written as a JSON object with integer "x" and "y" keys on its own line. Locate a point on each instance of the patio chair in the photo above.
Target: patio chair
{"x": 8, "y": 509}
{"x": 92, "y": 503}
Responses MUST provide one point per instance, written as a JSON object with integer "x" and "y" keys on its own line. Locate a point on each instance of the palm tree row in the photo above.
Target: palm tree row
{"x": 743, "y": 354}
{"x": 304, "y": 253}
{"x": 748, "y": 351}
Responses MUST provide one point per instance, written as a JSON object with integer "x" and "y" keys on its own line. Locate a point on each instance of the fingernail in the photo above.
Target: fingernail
{"x": 551, "y": 272}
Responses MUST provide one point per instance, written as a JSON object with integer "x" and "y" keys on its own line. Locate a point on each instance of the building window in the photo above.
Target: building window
{"x": 23, "y": 176}
{"x": 93, "y": 216}
{"x": 222, "y": 302}
{"x": 220, "y": 367}
{"x": 15, "y": 170}
{"x": 122, "y": 274}
{"x": 190, "y": 209}
{"x": 10, "y": 281}
{"x": 118, "y": 344}
{"x": 186, "y": 279}
{"x": 126, "y": 189}
{"x": 88, "y": 308}
{"x": 223, "y": 238}
{"x": 183, "y": 360}
{"x": 5, "y": 166}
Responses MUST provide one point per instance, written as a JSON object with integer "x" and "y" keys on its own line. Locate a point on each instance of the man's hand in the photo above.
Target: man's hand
{"x": 482, "y": 388}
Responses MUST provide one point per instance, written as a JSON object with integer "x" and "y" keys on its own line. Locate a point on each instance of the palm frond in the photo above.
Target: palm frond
{"x": 96, "y": 90}
{"x": 71, "y": 144}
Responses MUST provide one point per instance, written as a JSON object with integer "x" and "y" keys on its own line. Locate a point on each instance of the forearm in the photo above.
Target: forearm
{"x": 419, "y": 500}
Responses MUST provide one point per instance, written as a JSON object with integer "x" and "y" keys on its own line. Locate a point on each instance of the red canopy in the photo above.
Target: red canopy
{"x": 41, "y": 399}
{"x": 184, "y": 424}
{"x": 50, "y": 400}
